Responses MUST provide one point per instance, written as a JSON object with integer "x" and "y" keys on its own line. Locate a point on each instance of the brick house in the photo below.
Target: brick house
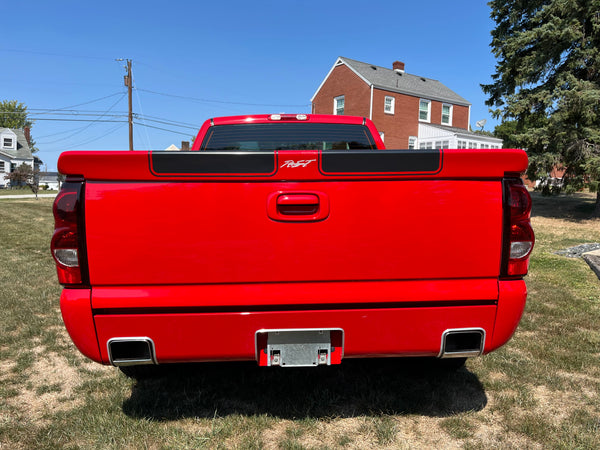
{"x": 409, "y": 111}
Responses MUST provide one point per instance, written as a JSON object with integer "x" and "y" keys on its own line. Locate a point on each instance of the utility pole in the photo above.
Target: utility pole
{"x": 129, "y": 84}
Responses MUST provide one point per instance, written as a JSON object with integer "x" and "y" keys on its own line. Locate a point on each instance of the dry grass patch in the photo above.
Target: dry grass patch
{"x": 48, "y": 388}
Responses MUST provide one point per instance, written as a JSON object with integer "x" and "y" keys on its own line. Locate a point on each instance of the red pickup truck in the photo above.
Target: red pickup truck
{"x": 291, "y": 240}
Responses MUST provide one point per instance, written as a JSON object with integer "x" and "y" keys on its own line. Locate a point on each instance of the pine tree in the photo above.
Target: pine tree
{"x": 547, "y": 81}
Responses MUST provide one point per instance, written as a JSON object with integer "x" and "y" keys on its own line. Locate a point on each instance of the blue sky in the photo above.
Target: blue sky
{"x": 218, "y": 58}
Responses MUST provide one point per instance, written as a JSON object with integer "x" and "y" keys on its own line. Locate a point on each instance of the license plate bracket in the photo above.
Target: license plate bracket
{"x": 299, "y": 347}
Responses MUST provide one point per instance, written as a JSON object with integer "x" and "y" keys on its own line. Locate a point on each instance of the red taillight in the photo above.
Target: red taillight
{"x": 65, "y": 245}
{"x": 519, "y": 232}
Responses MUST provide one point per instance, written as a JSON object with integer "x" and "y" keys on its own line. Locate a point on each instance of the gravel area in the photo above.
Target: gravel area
{"x": 578, "y": 250}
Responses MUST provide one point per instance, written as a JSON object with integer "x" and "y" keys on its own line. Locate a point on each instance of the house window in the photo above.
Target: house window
{"x": 462, "y": 144}
{"x": 412, "y": 142}
{"x": 446, "y": 114}
{"x": 1, "y": 166}
{"x": 472, "y": 144}
{"x": 7, "y": 142}
{"x": 426, "y": 145}
{"x": 425, "y": 110}
{"x": 338, "y": 105}
{"x": 389, "y": 105}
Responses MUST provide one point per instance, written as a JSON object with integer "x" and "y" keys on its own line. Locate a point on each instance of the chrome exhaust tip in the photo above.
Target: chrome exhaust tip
{"x": 131, "y": 351}
{"x": 462, "y": 343}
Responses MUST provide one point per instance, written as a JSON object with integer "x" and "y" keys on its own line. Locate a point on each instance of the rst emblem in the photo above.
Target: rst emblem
{"x": 301, "y": 163}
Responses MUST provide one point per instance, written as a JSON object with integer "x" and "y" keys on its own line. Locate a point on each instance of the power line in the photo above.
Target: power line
{"x": 70, "y": 111}
{"x": 145, "y": 129}
{"x": 56, "y": 134}
{"x": 205, "y": 100}
{"x": 87, "y": 126}
{"x": 88, "y": 102}
{"x": 53, "y": 54}
{"x": 64, "y": 108}
{"x": 159, "y": 128}
{"x": 115, "y": 116}
{"x": 167, "y": 122}
{"x": 75, "y": 120}
{"x": 108, "y": 133}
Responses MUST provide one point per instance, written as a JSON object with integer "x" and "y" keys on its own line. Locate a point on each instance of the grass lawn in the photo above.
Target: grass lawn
{"x": 541, "y": 390}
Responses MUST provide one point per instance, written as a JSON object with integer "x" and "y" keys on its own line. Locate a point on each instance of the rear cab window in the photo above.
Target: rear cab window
{"x": 288, "y": 136}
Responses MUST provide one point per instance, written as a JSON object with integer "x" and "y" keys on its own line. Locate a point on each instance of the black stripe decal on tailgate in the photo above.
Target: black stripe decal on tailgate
{"x": 212, "y": 163}
{"x": 382, "y": 162}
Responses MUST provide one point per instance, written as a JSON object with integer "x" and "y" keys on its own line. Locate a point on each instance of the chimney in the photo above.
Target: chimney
{"x": 398, "y": 66}
{"x": 27, "y": 133}
{"x": 185, "y": 146}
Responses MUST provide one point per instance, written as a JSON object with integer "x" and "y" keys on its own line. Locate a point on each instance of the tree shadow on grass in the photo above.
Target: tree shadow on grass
{"x": 355, "y": 388}
{"x": 574, "y": 208}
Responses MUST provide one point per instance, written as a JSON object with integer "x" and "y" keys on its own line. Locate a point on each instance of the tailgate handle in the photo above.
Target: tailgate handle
{"x": 295, "y": 204}
{"x": 298, "y": 206}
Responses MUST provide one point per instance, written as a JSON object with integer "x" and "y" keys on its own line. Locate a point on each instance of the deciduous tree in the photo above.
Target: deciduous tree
{"x": 14, "y": 115}
{"x": 25, "y": 175}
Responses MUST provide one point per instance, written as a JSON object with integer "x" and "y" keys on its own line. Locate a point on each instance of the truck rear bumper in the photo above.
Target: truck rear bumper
{"x": 399, "y": 326}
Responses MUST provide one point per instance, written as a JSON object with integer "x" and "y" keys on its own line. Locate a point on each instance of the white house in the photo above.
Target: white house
{"x": 441, "y": 136}
{"x": 14, "y": 151}
{"x": 49, "y": 179}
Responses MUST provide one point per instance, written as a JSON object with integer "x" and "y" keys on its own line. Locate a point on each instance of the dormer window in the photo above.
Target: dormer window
{"x": 7, "y": 142}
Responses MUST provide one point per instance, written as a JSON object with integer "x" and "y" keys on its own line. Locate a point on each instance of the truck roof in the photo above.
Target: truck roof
{"x": 286, "y": 118}
{"x": 270, "y": 118}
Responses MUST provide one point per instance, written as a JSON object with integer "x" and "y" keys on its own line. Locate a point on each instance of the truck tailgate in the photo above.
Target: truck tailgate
{"x": 222, "y": 232}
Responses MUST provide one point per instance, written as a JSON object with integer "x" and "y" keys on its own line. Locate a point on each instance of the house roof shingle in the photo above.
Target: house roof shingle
{"x": 405, "y": 83}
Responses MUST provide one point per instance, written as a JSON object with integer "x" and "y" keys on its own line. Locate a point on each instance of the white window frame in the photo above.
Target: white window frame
{"x": 412, "y": 140}
{"x": 392, "y": 104}
{"x": 10, "y": 143}
{"x": 335, "y": 105}
{"x": 2, "y": 166}
{"x": 450, "y": 107}
{"x": 428, "y": 119}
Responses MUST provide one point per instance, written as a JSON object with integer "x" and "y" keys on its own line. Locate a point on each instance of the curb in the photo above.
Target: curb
{"x": 593, "y": 260}
{"x": 17, "y": 196}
